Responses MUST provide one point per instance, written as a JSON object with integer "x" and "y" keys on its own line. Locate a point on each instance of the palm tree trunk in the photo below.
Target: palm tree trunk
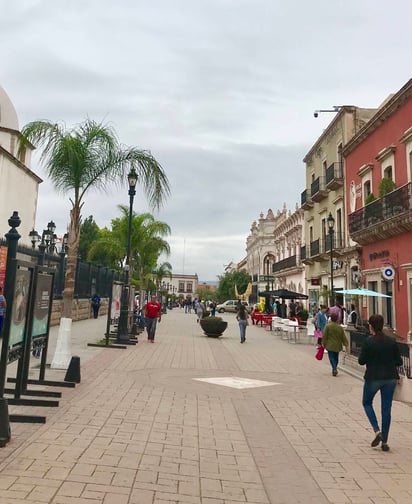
{"x": 73, "y": 247}
{"x": 62, "y": 354}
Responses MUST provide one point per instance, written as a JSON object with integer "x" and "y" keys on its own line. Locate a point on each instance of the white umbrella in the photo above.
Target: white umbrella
{"x": 360, "y": 291}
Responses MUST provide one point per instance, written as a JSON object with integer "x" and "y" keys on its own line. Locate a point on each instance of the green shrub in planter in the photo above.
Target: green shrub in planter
{"x": 213, "y": 326}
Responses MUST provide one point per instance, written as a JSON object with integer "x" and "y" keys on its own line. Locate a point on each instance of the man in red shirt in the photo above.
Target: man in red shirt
{"x": 152, "y": 313}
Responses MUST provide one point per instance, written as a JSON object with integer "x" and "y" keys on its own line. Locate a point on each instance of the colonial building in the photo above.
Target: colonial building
{"x": 181, "y": 286}
{"x": 260, "y": 254}
{"x": 324, "y": 195}
{"x": 273, "y": 252}
{"x": 379, "y": 203}
{"x": 19, "y": 185}
{"x": 288, "y": 269}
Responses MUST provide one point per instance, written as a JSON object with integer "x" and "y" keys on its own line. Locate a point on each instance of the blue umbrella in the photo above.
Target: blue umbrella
{"x": 360, "y": 291}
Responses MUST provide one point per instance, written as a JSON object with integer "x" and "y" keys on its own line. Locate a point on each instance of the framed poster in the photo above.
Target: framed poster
{"x": 20, "y": 306}
{"x": 116, "y": 297}
{"x": 3, "y": 264}
{"x": 44, "y": 285}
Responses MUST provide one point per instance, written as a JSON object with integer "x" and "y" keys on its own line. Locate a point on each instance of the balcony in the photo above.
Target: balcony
{"x": 289, "y": 262}
{"x": 334, "y": 176}
{"x": 305, "y": 200}
{"x": 318, "y": 189}
{"x": 385, "y": 217}
{"x": 338, "y": 244}
{"x": 303, "y": 253}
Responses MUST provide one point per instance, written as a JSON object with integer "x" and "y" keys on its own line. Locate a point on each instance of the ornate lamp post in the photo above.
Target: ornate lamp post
{"x": 34, "y": 238}
{"x": 123, "y": 333}
{"x": 51, "y": 241}
{"x": 331, "y": 227}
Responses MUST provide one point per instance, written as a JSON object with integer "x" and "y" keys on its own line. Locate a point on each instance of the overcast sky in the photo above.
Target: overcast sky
{"x": 222, "y": 92}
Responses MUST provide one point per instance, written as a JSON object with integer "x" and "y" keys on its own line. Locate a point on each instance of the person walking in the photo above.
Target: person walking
{"x": 3, "y": 306}
{"x": 96, "y": 302}
{"x": 200, "y": 309}
{"x": 320, "y": 322}
{"x": 242, "y": 317}
{"x": 381, "y": 355}
{"x": 152, "y": 313}
{"x": 334, "y": 339}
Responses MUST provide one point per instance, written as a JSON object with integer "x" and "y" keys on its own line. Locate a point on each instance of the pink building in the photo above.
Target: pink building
{"x": 379, "y": 163}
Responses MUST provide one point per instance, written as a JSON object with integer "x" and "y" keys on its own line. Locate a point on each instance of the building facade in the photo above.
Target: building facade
{"x": 181, "y": 286}
{"x": 288, "y": 269}
{"x": 273, "y": 250}
{"x": 19, "y": 185}
{"x": 379, "y": 163}
{"x": 260, "y": 254}
{"x": 326, "y": 251}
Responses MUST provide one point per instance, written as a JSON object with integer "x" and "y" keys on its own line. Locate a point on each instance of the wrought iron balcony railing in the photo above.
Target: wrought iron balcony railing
{"x": 334, "y": 176}
{"x": 318, "y": 189}
{"x": 289, "y": 262}
{"x": 384, "y": 217}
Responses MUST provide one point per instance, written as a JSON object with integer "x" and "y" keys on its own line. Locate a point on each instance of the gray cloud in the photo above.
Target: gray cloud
{"x": 221, "y": 91}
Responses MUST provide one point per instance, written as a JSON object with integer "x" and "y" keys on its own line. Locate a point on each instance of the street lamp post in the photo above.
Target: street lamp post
{"x": 123, "y": 332}
{"x": 331, "y": 226}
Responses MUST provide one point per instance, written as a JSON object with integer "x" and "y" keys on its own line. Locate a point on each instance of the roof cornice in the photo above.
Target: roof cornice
{"x": 396, "y": 102}
{"x": 20, "y": 164}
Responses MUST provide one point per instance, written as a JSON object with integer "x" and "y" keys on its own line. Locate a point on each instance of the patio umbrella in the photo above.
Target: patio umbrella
{"x": 360, "y": 291}
{"x": 287, "y": 294}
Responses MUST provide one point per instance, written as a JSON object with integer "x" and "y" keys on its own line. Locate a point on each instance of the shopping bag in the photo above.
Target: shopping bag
{"x": 317, "y": 333}
{"x": 320, "y": 352}
{"x": 403, "y": 390}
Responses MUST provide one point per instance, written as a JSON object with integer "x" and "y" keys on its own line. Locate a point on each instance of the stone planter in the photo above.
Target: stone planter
{"x": 213, "y": 326}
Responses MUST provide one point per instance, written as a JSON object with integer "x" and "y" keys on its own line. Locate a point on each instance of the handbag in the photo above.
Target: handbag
{"x": 320, "y": 352}
{"x": 403, "y": 389}
{"x": 317, "y": 333}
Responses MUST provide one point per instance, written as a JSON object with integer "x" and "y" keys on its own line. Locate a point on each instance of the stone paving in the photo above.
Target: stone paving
{"x": 141, "y": 428}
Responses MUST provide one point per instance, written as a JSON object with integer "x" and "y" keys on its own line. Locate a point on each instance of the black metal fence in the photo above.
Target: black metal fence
{"x": 90, "y": 278}
{"x": 357, "y": 340}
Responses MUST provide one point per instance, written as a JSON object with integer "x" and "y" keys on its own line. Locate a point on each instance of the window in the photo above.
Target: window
{"x": 387, "y": 172}
{"x": 181, "y": 286}
{"x": 366, "y": 189}
{"x": 338, "y": 229}
{"x": 22, "y": 156}
{"x": 189, "y": 287}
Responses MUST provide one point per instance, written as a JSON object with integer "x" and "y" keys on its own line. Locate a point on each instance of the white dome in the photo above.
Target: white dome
{"x": 8, "y": 115}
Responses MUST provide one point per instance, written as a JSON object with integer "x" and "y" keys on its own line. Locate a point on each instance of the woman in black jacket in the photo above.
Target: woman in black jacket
{"x": 381, "y": 356}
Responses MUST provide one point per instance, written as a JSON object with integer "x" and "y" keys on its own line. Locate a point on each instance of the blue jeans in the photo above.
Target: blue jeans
{"x": 151, "y": 327}
{"x": 387, "y": 388}
{"x": 242, "y": 327}
{"x": 333, "y": 359}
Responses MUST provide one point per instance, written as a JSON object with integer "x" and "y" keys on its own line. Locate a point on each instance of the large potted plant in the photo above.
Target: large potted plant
{"x": 213, "y": 326}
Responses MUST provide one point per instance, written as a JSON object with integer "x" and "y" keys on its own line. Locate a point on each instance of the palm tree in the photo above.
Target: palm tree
{"x": 163, "y": 270}
{"x": 146, "y": 244}
{"x": 89, "y": 156}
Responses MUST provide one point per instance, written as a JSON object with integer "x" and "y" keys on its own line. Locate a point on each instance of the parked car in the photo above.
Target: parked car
{"x": 231, "y": 306}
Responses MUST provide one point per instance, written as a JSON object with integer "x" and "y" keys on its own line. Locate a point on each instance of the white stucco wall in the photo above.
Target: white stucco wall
{"x": 18, "y": 184}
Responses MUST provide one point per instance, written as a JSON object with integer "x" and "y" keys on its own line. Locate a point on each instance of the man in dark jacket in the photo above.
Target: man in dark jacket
{"x": 381, "y": 355}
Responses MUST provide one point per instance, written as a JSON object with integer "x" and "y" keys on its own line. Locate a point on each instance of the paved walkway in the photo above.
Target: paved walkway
{"x": 141, "y": 428}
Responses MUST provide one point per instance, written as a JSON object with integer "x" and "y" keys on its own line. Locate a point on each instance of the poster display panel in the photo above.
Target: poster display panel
{"x": 3, "y": 264}
{"x": 116, "y": 297}
{"x": 20, "y": 306}
{"x": 42, "y": 304}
